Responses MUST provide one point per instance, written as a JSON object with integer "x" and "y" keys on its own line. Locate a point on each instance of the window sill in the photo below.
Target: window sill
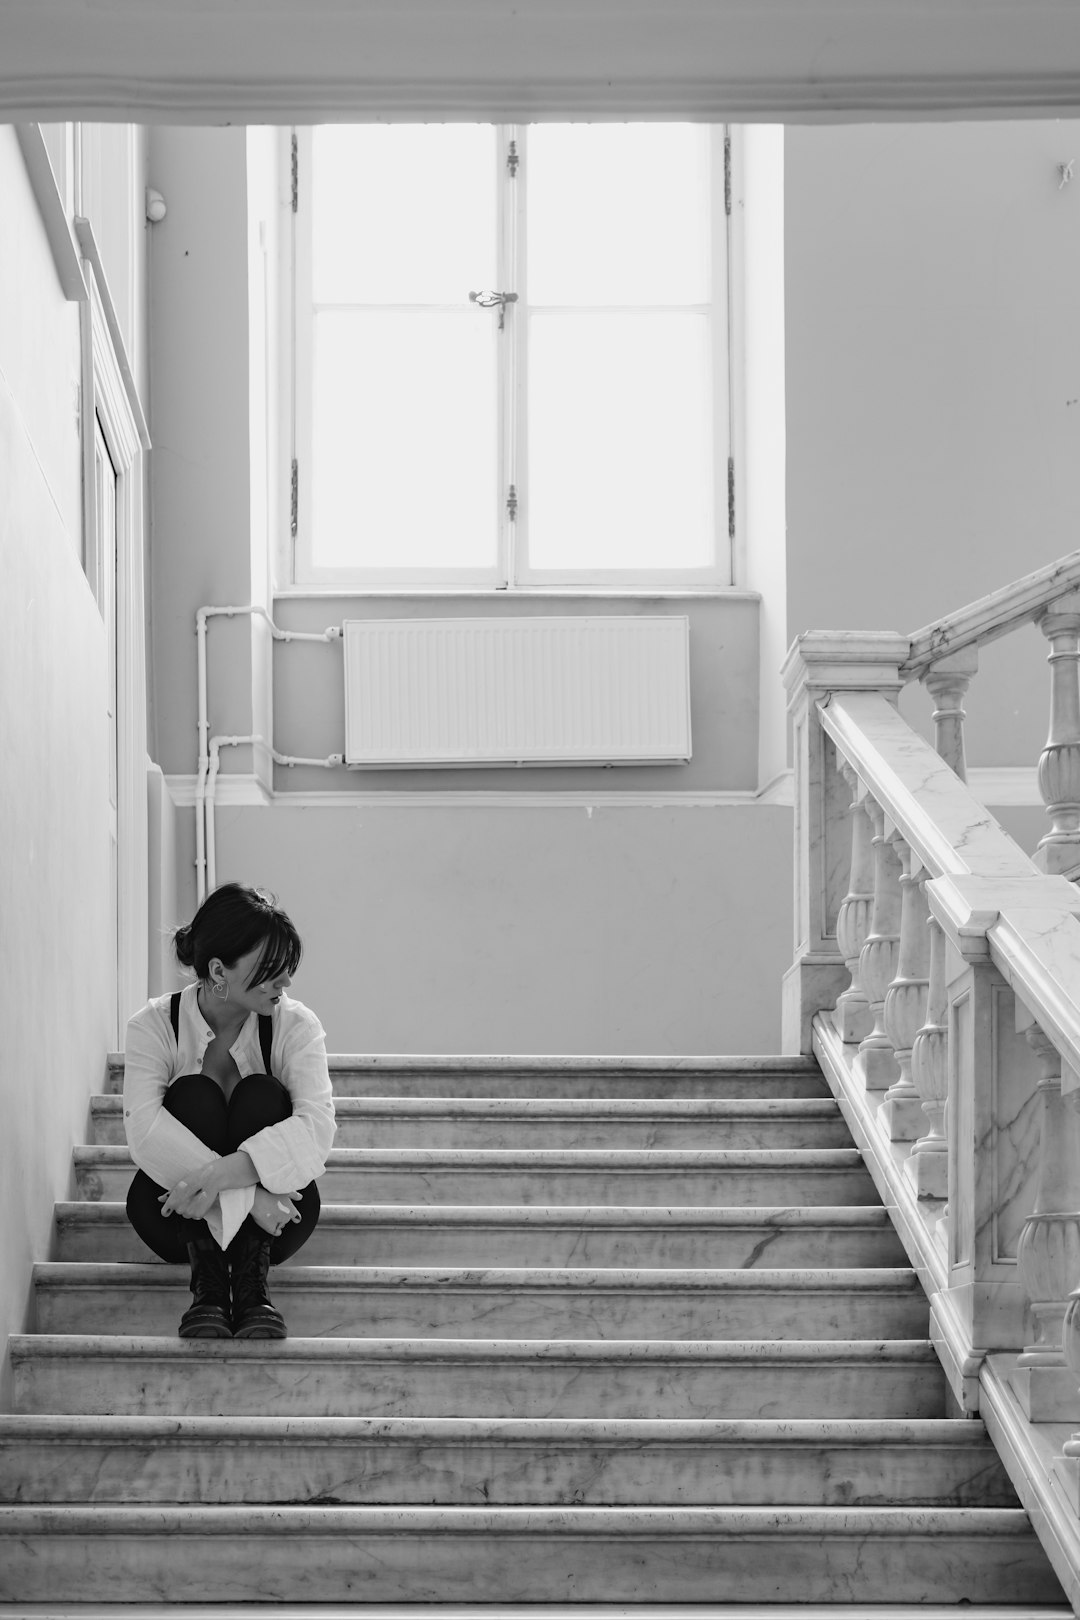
{"x": 519, "y": 592}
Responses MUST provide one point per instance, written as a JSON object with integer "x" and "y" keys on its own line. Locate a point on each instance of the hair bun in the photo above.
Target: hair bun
{"x": 182, "y": 945}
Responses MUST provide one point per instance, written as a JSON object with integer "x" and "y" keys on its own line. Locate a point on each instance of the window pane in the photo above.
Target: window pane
{"x": 618, "y": 214}
{"x": 403, "y": 214}
{"x": 404, "y": 437}
{"x": 620, "y": 429}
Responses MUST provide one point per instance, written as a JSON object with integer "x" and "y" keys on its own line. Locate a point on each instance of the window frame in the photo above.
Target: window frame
{"x": 512, "y": 573}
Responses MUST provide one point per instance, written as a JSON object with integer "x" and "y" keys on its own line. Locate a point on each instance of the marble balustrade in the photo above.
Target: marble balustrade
{"x": 938, "y": 980}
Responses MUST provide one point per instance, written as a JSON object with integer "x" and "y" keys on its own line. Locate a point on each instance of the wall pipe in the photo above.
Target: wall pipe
{"x": 203, "y": 878}
{"x": 216, "y": 745}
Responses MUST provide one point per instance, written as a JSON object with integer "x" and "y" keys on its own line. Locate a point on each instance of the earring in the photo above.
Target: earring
{"x": 220, "y": 989}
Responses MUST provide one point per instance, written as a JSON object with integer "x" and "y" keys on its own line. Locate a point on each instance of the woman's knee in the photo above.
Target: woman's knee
{"x": 167, "y": 1237}
{"x": 256, "y": 1102}
{"x": 198, "y": 1102}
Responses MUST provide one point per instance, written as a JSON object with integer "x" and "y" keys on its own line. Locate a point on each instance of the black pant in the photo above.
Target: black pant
{"x": 199, "y": 1103}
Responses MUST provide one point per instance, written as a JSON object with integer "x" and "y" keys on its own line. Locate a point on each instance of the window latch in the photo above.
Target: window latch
{"x": 493, "y": 300}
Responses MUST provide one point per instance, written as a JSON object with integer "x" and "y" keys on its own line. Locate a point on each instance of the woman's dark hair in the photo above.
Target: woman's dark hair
{"x": 232, "y": 921}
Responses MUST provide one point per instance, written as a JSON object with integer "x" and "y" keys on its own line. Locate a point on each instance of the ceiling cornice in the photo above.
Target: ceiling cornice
{"x": 219, "y": 61}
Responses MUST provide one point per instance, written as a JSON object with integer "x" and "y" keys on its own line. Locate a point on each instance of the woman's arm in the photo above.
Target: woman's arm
{"x": 288, "y": 1155}
{"x": 160, "y": 1145}
{"x": 166, "y": 1150}
{"x": 197, "y": 1193}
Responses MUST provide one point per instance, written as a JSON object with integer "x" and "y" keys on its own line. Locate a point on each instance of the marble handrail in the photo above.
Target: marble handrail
{"x": 939, "y": 816}
{"x": 984, "y": 887}
{"x": 992, "y": 616}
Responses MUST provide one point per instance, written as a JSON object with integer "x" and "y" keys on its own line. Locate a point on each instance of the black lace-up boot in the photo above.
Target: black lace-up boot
{"x": 253, "y": 1315}
{"x": 208, "y": 1315}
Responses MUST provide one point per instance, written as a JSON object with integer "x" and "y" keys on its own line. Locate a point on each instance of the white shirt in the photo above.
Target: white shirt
{"x": 286, "y": 1156}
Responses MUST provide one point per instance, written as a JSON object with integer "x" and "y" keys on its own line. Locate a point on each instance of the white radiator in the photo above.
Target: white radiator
{"x": 540, "y": 691}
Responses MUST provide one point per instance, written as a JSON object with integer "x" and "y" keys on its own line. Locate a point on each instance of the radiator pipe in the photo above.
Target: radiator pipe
{"x": 204, "y": 864}
{"x": 216, "y": 745}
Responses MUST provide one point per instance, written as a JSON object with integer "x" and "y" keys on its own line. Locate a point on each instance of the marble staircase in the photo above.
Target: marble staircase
{"x": 585, "y": 1332}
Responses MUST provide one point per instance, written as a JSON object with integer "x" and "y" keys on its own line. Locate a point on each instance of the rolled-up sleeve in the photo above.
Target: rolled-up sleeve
{"x": 290, "y": 1154}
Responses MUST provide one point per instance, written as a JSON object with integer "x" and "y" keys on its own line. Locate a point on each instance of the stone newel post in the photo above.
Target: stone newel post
{"x": 820, "y": 663}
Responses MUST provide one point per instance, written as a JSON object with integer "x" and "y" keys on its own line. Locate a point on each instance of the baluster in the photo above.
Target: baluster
{"x": 877, "y": 962}
{"x": 947, "y": 682}
{"x": 905, "y": 1000}
{"x": 927, "y": 1167}
{"x": 1059, "y": 763}
{"x": 1048, "y": 1255}
{"x": 852, "y": 1013}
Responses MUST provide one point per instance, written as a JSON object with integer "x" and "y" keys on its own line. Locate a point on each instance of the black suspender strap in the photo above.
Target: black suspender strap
{"x": 266, "y": 1029}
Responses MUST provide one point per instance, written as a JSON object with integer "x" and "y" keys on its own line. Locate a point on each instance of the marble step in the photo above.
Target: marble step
{"x": 571, "y": 1123}
{"x": 553, "y": 1176}
{"x": 482, "y": 1554}
{"x": 384, "y": 1076}
{"x": 519, "y": 1303}
{"x": 545, "y": 1611}
{"x": 72, "y": 1373}
{"x": 501, "y": 1462}
{"x": 562, "y": 1235}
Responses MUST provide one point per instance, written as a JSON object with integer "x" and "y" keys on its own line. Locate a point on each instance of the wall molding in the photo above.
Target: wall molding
{"x": 289, "y": 99}
{"x": 510, "y": 60}
{"x": 992, "y": 785}
{"x": 247, "y": 791}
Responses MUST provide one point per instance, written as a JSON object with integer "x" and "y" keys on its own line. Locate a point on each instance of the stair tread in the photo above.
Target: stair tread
{"x": 693, "y": 1108}
{"x": 96, "y": 1274}
{"x": 875, "y": 1216}
{"x": 279, "y": 1519}
{"x": 811, "y": 1432}
{"x": 88, "y": 1346}
{"x": 412, "y": 1062}
{"x": 515, "y": 1158}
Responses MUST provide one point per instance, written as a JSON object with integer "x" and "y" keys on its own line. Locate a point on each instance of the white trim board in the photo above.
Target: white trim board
{"x": 246, "y": 790}
{"x": 65, "y": 249}
{"x": 993, "y": 785}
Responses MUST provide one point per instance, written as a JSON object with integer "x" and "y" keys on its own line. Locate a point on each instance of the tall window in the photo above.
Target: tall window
{"x": 511, "y": 355}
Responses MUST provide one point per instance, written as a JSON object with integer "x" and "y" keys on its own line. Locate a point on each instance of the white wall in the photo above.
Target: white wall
{"x": 518, "y": 928}
{"x": 929, "y": 340}
{"x": 933, "y": 387}
{"x": 54, "y": 985}
{"x": 548, "y": 957}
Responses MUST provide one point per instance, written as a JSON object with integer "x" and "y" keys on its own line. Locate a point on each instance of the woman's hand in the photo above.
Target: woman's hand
{"x": 198, "y": 1192}
{"x": 195, "y": 1196}
{"x": 273, "y": 1211}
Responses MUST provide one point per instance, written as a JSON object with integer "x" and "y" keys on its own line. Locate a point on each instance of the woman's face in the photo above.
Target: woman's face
{"x": 259, "y": 998}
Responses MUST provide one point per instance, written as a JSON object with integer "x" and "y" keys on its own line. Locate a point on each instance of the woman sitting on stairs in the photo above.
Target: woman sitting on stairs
{"x": 229, "y": 1114}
